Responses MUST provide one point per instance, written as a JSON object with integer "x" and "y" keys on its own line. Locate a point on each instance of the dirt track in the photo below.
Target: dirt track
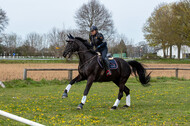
{"x": 15, "y": 71}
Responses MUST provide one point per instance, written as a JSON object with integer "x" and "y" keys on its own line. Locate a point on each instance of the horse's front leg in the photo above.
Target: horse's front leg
{"x": 75, "y": 80}
{"x": 90, "y": 80}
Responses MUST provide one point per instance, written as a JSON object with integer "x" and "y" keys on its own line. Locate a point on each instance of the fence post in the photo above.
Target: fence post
{"x": 70, "y": 74}
{"x": 176, "y": 72}
{"x": 2, "y": 85}
{"x": 25, "y": 74}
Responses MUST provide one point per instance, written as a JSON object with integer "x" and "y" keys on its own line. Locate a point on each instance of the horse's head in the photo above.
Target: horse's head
{"x": 77, "y": 44}
{"x": 71, "y": 46}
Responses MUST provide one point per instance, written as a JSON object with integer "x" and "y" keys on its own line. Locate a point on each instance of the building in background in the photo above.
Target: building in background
{"x": 119, "y": 55}
{"x": 184, "y": 54}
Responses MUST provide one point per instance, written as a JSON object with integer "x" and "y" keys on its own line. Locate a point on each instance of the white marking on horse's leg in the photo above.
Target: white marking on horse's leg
{"x": 117, "y": 103}
{"x": 83, "y": 100}
{"x": 68, "y": 87}
{"x": 128, "y": 100}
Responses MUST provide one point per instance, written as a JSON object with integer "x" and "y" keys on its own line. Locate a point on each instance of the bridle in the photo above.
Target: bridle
{"x": 80, "y": 66}
{"x": 83, "y": 51}
{"x": 79, "y": 51}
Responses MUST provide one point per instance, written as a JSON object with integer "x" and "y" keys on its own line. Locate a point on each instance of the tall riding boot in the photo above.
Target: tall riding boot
{"x": 108, "y": 71}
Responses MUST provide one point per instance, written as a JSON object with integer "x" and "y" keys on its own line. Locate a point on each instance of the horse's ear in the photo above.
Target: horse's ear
{"x": 68, "y": 36}
{"x": 71, "y": 36}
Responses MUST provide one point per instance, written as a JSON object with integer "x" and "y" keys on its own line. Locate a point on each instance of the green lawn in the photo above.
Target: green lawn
{"x": 165, "y": 102}
{"x": 165, "y": 61}
{"x": 158, "y": 61}
{"x": 37, "y": 61}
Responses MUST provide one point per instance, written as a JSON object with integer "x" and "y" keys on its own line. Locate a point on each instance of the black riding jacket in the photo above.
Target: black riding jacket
{"x": 97, "y": 40}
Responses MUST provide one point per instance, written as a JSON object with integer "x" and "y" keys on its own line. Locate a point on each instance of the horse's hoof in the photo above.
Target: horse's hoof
{"x": 80, "y": 106}
{"x": 113, "y": 108}
{"x": 65, "y": 95}
{"x": 125, "y": 106}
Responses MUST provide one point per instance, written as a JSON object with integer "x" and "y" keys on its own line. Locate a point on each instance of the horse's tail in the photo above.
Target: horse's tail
{"x": 137, "y": 68}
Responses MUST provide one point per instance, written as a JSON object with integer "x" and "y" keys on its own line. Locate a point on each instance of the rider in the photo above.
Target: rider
{"x": 97, "y": 41}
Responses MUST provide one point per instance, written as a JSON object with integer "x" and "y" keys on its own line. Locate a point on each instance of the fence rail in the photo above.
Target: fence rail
{"x": 19, "y": 119}
{"x": 70, "y": 71}
{"x": 176, "y": 70}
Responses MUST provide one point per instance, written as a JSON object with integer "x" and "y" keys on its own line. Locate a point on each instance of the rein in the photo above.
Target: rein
{"x": 83, "y": 51}
{"x": 87, "y": 60}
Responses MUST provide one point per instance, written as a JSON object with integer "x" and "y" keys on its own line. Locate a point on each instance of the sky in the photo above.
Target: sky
{"x": 26, "y": 16}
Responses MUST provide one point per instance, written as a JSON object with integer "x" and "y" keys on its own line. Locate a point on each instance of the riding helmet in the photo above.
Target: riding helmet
{"x": 93, "y": 28}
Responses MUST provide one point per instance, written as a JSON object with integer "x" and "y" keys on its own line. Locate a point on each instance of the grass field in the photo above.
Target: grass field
{"x": 37, "y": 61}
{"x": 166, "y": 61}
{"x": 157, "y": 61}
{"x": 165, "y": 102}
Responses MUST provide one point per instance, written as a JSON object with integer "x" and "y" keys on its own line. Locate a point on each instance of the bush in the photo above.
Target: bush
{"x": 151, "y": 56}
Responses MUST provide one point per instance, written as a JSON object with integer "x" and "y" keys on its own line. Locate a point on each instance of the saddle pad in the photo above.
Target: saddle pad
{"x": 112, "y": 63}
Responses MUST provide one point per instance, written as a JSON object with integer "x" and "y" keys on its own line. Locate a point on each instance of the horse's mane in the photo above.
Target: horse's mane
{"x": 80, "y": 39}
{"x": 85, "y": 42}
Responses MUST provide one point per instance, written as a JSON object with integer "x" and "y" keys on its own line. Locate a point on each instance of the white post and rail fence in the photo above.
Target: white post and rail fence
{"x": 19, "y": 119}
{"x": 70, "y": 71}
{"x": 175, "y": 69}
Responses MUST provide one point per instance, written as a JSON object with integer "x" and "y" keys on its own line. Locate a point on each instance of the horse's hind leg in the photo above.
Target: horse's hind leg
{"x": 127, "y": 92}
{"x": 76, "y": 79}
{"x": 121, "y": 85}
{"x": 128, "y": 100}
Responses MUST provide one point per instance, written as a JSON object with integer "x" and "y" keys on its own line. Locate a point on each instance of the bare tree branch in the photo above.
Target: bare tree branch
{"x": 3, "y": 20}
{"x": 94, "y": 13}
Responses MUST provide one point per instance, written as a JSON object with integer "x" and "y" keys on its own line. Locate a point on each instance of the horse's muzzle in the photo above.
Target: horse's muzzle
{"x": 65, "y": 54}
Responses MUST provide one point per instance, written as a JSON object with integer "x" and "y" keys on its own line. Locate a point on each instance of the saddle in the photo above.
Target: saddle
{"x": 112, "y": 63}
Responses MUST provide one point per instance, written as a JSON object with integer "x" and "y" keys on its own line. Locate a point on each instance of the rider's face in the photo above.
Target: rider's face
{"x": 93, "y": 32}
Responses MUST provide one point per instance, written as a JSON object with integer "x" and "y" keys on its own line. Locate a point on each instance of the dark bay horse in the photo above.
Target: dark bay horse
{"x": 90, "y": 70}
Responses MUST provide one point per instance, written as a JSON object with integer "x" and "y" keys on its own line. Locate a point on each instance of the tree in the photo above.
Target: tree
{"x": 11, "y": 42}
{"x": 182, "y": 25}
{"x": 118, "y": 47}
{"x": 182, "y": 13}
{"x": 122, "y": 47}
{"x": 169, "y": 25}
{"x": 57, "y": 39}
{"x": 26, "y": 50}
{"x": 94, "y": 13}
{"x": 2, "y": 49}
{"x": 157, "y": 26}
{"x": 3, "y": 20}
{"x": 35, "y": 40}
{"x": 3, "y": 24}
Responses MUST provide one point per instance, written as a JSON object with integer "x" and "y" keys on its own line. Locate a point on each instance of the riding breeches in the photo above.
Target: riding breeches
{"x": 104, "y": 52}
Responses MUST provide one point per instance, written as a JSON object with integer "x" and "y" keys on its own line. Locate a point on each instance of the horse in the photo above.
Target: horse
{"x": 90, "y": 70}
